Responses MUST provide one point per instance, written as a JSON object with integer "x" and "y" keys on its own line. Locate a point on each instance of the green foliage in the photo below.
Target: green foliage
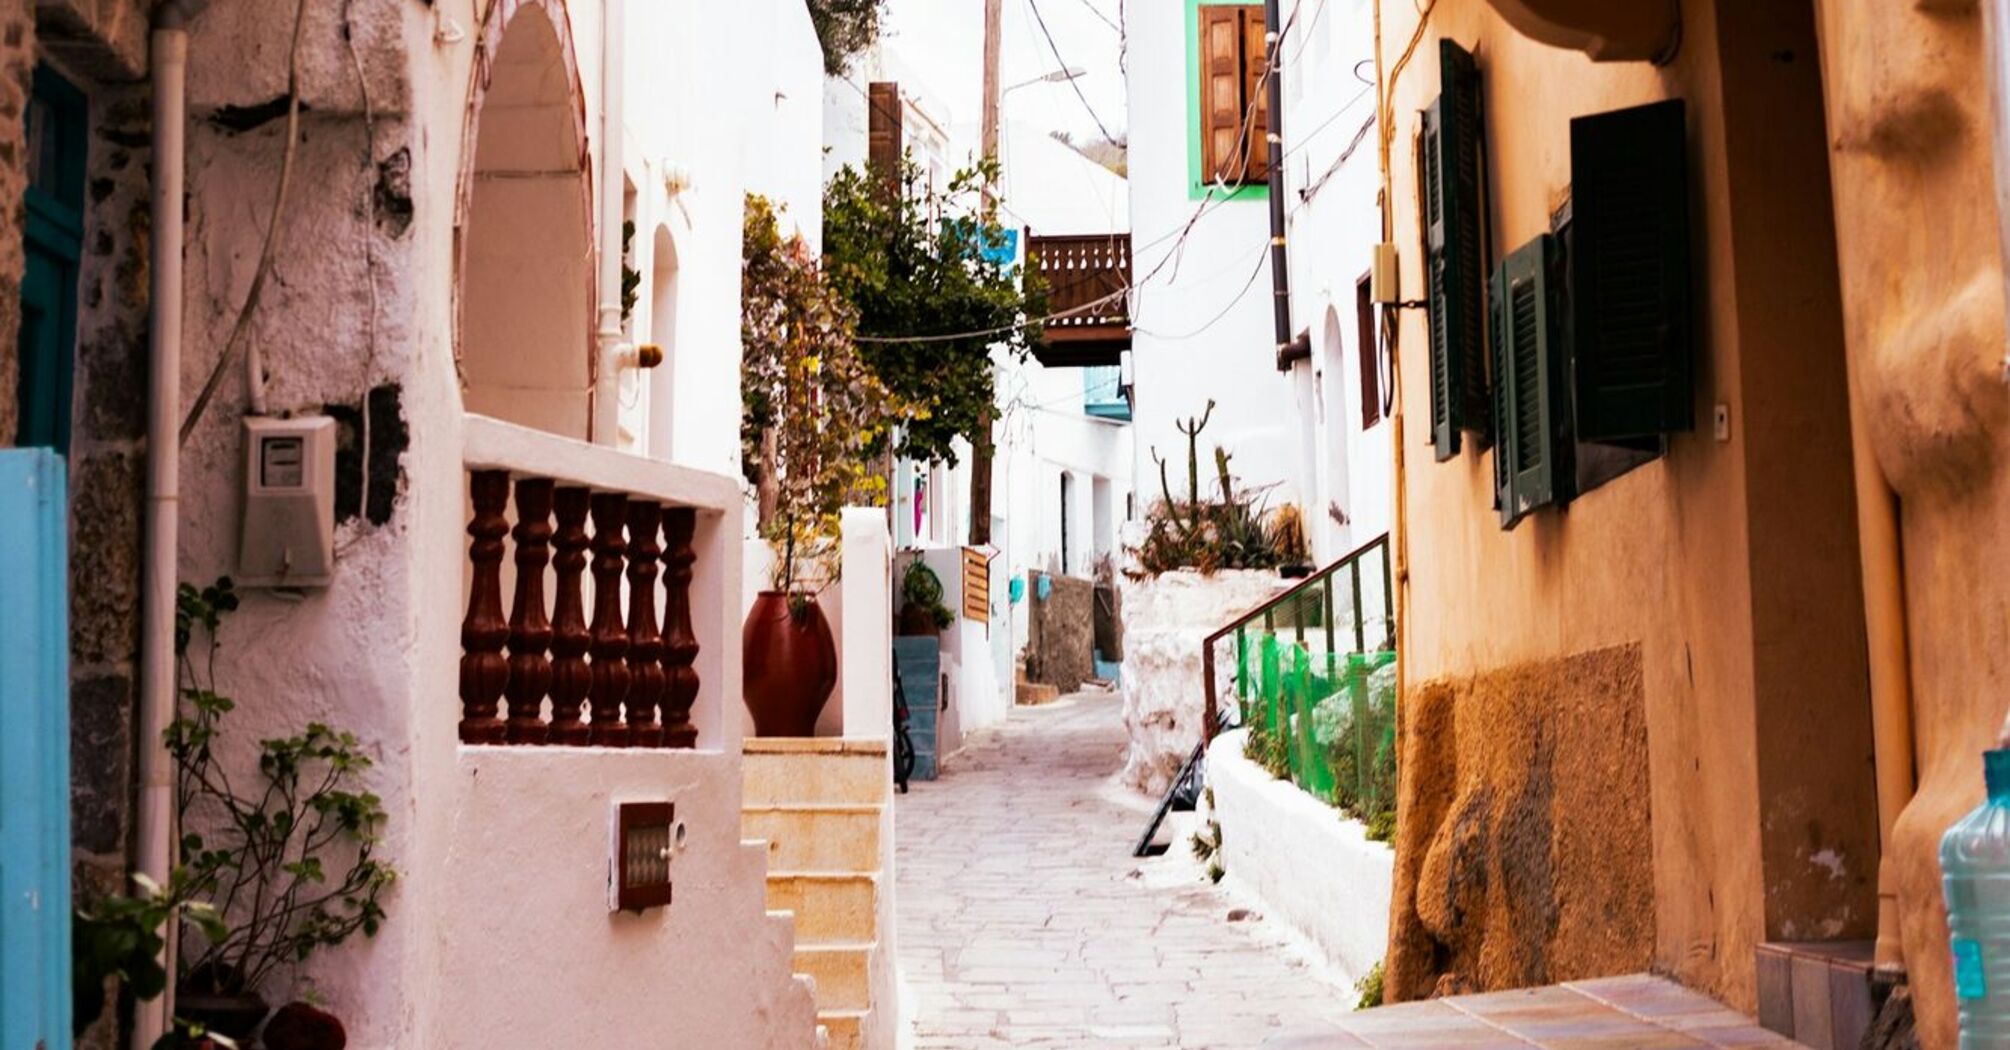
{"x": 844, "y": 28}
{"x": 1227, "y": 532}
{"x": 290, "y": 866}
{"x": 1268, "y": 745}
{"x": 631, "y": 278}
{"x": 919, "y": 586}
{"x": 1370, "y": 988}
{"x": 812, "y": 408}
{"x": 909, "y": 273}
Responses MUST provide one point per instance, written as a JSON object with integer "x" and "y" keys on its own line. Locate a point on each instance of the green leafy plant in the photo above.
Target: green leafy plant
{"x": 813, "y": 409}
{"x": 1208, "y": 535}
{"x": 845, "y": 28}
{"x": 631, "y": 278}
{"x": 931, "y": 307}
{"x": 1370, "y": 989}
{"x": 920, "y": 587}
{"x": 1206, "y": 845}
{"x": 120, "y": 936}
{"x": 290, "y": 863}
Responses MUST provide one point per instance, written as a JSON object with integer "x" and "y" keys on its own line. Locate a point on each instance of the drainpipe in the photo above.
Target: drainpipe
{"x": 1280, "y": 275}
{"x": 608, "y": 355}
{"x": 155, "y": 851}
{"x": 1890, "y": 677}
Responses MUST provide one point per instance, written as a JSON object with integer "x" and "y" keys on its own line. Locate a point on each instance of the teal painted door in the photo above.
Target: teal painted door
{"x": 34, "y": 754}
{"x": 57, "y": 125}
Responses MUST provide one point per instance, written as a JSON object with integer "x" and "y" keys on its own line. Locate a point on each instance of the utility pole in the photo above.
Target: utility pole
{"x": 981, "y": 450}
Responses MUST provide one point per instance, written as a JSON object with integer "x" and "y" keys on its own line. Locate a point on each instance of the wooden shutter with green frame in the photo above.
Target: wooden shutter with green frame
{"x": 1632, "y": 361}
{"x": 1455, "y": 249}
{"x": 1234, "y": 115}
{"x": 1533, "y": 464}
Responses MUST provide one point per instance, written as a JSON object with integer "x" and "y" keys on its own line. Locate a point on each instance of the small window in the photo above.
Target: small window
{"x": 1370, "y": 353}
{"x": 1234, "y": 108}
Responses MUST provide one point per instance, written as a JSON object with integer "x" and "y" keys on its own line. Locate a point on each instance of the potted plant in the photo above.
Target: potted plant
{"x": 1287, "y": 537}
{"x": 288, "y": 862}
{"x": 813, "y": 410}
{"x": 922, "y": 612}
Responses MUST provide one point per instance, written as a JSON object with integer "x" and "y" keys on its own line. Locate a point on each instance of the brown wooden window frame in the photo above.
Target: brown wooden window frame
{"x": 1368, "y": 349}
{"x": 1224, "y": 117}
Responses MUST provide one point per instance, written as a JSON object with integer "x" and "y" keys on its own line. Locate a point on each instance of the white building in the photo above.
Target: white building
{"x": 1204, "y": 290}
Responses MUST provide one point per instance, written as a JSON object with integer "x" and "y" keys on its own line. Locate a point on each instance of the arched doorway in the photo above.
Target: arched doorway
{"x": 526, "y": 232}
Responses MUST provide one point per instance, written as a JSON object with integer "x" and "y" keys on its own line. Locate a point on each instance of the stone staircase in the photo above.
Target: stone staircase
{"x": 821, "y": 805}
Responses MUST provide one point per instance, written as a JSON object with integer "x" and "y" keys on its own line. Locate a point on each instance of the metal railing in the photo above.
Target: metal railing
{"x": 1311, "y": 681}
{"x": 1086, "y": 276}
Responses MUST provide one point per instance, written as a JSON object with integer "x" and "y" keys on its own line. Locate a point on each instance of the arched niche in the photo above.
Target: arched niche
{"x": 663, "y": 292}
{"x": 525, "y": 228}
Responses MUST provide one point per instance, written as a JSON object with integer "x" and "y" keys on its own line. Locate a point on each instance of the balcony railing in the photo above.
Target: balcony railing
{"x": 570, "y": 529}
{"x": 1088, "y": 281}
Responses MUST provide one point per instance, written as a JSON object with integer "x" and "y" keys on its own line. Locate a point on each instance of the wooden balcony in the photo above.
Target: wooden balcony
{"x": 1088, "y": 283}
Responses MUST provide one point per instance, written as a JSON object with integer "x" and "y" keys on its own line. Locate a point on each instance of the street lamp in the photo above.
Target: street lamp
{"x": 1056, "y": 77}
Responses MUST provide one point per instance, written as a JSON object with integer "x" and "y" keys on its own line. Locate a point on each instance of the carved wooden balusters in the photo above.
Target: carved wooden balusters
{"x": 529, "y": 630}
{"x": 484, "y": 671}
{"x": 645, "y": 645}
{"x": 639, "y": 665}
{"x": 680, "y": 644}
{"x": 610, "y": 637}
{"x": 571, "y": 678}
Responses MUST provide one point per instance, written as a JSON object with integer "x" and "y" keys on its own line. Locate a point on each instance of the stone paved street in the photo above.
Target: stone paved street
{"x": 1024, "y": 922}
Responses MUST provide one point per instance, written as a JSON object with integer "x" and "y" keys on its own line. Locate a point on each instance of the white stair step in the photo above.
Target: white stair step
{"x": 843, "y": 973}
{"x": 824, "y": 838}
{"x": 829, "y": 909}
{"x": 819, "y": 771}
{"x": 845, "y": 1027}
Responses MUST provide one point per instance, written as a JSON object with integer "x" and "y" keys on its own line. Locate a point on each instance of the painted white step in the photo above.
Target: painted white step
{"x": 822, "y": 838}
{"x": 829, "y": 909}
{"x": 816, "y": 771}
{"x": 842, "y": 972}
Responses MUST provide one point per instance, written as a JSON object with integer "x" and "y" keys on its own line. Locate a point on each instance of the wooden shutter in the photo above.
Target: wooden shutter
{"x": 1455, "y": 252}
{"x": 1255, "y": 95}
{"x": 1634, "y": 367}
{"x": 1221, "y": 92}
{"x": 883, "y": 130}
{"x": 1532, "y": 461}
{"x": 1370, "y": 352}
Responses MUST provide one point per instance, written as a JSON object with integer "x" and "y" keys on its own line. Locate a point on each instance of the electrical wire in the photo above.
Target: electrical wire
{"x": 1100, "y": 16}
{"x": 1073, "y": 82}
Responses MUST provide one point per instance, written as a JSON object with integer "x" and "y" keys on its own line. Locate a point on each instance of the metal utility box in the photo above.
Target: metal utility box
{"x": 289, "y": 502}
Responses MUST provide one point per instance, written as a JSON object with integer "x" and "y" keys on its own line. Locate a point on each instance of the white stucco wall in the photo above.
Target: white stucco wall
{"x": 1312, "y": 868}
{"x": 1203, "y": 321}
{"x": 501, "y": 855}
{"x": 1331, "y": 238}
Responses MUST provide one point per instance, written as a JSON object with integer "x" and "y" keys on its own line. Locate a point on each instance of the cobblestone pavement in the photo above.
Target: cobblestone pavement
{"x": 1025, "y": 922}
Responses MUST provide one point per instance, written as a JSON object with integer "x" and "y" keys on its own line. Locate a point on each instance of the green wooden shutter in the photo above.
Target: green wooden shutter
{"x": 1634, "y": 369}
{"x": 1455, "y": 251}
{"x": 1533, "y": 463}
{"x": 52, "y": 242}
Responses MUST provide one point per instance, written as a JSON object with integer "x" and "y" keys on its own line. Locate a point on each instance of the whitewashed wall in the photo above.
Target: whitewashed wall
{"x": 1204, "y": 320}
{"x": 1347, "y": 468}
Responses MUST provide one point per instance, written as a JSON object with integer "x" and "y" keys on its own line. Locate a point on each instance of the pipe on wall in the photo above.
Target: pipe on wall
{"x": 1996, "y": 39}
{"x": 1273, "y": 134}
{"x": 1890, "y": 674}
{"x": 154, "y": 853}
{"x": 611, "y": 339}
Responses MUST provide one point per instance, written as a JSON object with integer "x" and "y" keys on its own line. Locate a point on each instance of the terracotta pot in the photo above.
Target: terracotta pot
{"x": 790, "y": 665}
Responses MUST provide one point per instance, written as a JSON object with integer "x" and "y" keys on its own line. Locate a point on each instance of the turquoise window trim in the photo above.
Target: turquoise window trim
{"x": 1196, "y": 185}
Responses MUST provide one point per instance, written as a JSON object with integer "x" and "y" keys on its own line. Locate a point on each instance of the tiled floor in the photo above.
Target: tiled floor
{"x": 1615, "y": 1013}
{"x": 1024, "y": 922}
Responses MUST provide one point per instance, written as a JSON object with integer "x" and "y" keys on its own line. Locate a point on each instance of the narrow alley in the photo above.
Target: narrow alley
{"x": 1025, "y": 922}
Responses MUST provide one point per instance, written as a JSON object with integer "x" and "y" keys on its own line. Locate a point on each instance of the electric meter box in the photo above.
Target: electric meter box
{"x": 1382, "y": 274}
{"x": 289, "y": 502}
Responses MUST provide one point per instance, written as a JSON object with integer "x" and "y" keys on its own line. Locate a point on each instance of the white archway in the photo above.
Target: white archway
{"x": 526, "y": 232}
{"x": 663, "y": 333}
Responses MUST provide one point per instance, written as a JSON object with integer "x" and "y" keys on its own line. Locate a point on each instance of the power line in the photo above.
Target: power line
{"x": 1073, "y": 82}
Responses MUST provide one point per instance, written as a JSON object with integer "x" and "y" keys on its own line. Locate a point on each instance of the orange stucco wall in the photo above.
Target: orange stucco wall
{"x": 1729, "y": 564}
{"x": 1923, "y": 297}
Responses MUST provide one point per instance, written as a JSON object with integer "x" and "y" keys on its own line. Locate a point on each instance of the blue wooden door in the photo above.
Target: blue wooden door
{"x": 34, "y": 754}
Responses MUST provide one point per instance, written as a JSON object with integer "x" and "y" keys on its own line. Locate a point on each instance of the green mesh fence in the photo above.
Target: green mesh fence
{"x": 1315, "y": 682}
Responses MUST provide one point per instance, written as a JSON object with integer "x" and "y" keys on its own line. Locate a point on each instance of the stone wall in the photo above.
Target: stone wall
{"x": 1166, "y": 618}
{"x": 1061, "y": 636}
{"x": 17, "y": 66}
{"x": 1522, "y": 842}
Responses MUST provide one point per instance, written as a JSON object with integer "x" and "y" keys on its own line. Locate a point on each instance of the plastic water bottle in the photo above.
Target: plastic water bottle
{"x": 1975, "y": 867}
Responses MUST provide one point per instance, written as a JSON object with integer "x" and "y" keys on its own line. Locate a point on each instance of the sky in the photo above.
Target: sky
{"x": 950, "y": 56}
